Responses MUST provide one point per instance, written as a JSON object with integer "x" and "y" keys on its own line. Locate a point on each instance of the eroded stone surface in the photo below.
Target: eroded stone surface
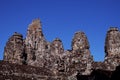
{"x": 112, "y": 48}
{"x": 14, "y": 49}
{"x": 35, "y": 44}
{"x": 112, "y": 44}
{"x": 36, "y": 51}
{"x": 112, "y": 51}
{"x": 80, "y": 59}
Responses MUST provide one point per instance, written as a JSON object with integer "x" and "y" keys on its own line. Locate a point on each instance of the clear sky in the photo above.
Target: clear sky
{"x": 61, "y": 18}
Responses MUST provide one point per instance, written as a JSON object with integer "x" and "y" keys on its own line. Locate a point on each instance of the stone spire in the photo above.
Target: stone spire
{"x": 14, "y": 49}
{"x": 80, "y": 56}
{"x": 35, "y": 43}
{"x": 34, "y": 33}
{"x": 57, "y": 47}
{"x": 112, "y": 42}
{"x": 80, "y": 42}
{"x": 112, "y": 48}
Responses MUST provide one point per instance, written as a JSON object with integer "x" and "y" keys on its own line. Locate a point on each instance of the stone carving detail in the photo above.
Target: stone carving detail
{"x": 57, "y": 47}
{"x": 35, "y": 44}
{"x": 80, "y": 54}
{"x": 112, "y": 44}
{"x": 112, "y": 48}
{"x": 14, "y": 49}
{"x": 36, "y": 51}
{"x": 80, "y": 41}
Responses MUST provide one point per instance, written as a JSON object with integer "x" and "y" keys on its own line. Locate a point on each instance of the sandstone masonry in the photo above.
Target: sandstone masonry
{"x": 36, "y": 51}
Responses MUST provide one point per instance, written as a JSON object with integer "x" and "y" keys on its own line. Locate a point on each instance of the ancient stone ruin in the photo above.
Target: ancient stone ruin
{"x": 14, "y": 49}
{"x": 112, "y": 48}
{"x": 36, "y": 51}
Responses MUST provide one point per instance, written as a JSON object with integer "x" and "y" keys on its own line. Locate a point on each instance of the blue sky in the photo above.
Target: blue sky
{"x": 61, "y": 18}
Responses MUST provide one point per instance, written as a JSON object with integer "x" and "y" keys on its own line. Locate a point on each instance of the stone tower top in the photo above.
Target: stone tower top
{"x": 57, "y": 39}
{"x": 35, "y": 29}
{"x": 34, "y": 34}
{"x": 57, "y": 46}
{"x": 17, "y": 34}
{"x": 14, "y": 49}
{"x": 36, "y": 24}
{"x": 113, "y": 29}
{"x": 112, "y": 43}
{"x": 80, "y": 41}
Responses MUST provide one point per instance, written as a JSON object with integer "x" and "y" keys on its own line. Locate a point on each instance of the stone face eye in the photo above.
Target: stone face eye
{"x": 78, "y": 39}
{"x": 46, "y": 47}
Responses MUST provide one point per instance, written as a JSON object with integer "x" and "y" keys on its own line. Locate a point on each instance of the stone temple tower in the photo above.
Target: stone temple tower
{"x": 14, "y": 49}
{"x": 80, "y": 43}
{"x": 79, "y": 57}
{"x": 35, "y": 44}
{"x": 112, "y": 44}
{"x": 57, "y": 47}
{"x": 112, "y": 48}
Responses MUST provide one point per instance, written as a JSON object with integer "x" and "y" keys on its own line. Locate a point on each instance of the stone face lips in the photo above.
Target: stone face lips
{"x": 36, "y": 51}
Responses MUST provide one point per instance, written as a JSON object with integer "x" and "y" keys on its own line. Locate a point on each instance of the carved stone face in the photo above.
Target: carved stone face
{"x": 57, "y": 46}
{"x": 112, "y": 44}
{"x": 14, "y": 49}
{"x": 79, "y": 41}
